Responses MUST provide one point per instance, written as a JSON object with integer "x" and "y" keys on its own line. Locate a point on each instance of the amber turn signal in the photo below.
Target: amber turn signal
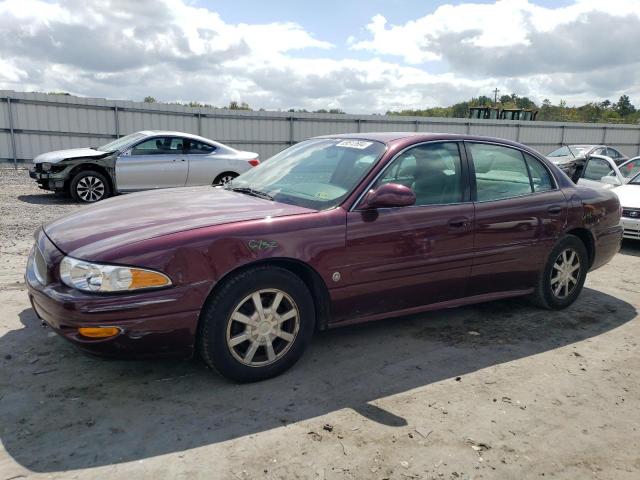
{"x": 98, "y": 332}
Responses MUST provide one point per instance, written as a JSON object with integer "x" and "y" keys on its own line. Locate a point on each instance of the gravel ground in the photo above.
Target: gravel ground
{"x": 500, "y": 390}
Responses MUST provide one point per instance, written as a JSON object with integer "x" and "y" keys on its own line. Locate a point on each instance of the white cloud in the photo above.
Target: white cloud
{"x": 173, "y": 50}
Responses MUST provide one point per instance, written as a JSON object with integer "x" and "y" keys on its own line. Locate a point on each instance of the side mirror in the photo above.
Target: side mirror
{"x": 388, "y": 195}
{"x": 126, "y": 153}
{"x": 610, "y": 180}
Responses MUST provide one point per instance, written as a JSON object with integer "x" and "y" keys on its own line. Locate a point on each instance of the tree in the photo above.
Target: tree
{"x": 149, "y": 99}
{"x": 234, "y": 105}
{"x": 624, "y": 107}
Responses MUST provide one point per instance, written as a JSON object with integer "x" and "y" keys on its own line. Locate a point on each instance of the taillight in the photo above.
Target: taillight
{"x": 254, "y": 163}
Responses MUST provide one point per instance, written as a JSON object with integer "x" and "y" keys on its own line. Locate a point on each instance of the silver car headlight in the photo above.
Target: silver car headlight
{"x": 94, "y": 277}
{"x": 46, "y": 167}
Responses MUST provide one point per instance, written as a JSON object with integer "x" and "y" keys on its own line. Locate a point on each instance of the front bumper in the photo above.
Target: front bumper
{"x": 49, "y": 181}
{"x": 631, "y": 227}
{"x": 152, "y": 323}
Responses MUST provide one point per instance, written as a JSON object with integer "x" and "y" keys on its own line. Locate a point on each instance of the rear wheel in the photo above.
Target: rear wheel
{"x": 563, "y": 276}
{"x": 89, "y": 186}
{"x": 257, "y": 325}
{"x": 224, "y": 178}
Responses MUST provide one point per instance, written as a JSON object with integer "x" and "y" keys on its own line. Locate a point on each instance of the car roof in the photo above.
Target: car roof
{"x": 408, "y": 138}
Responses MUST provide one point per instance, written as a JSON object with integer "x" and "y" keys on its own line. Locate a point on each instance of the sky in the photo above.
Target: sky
{"x": 361, "y": 56}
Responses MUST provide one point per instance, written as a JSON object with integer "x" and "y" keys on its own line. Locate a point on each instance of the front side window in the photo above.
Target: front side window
{"x": 596, "y": 169}
{"x": 631, "y": 168}
{"x": 159, "y": 146}
{"x": 500, "y": 172}
{"x": 433, "y": 171}
{"x": 317, "y": 173}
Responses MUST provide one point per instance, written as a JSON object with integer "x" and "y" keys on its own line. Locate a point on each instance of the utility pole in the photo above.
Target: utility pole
{"x": 495, "y": 97}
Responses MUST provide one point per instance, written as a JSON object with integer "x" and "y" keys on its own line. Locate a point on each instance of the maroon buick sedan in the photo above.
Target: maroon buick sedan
{"x": 332, "y": 231}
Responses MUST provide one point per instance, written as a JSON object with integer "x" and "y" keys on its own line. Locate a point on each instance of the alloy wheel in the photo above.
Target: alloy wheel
{"x": 225, "y": 179}
{"x": 263, "y": 327}
{"x": 90, "y": 188}
{"x": 565, "y": 273}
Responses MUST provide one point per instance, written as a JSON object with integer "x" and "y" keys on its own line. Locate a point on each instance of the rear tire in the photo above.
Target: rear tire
{"x": 224, "y": 178}
{"x": 89, "y": 186}
{"x": 563, "y": 276}
{"x": 247, "y": 343}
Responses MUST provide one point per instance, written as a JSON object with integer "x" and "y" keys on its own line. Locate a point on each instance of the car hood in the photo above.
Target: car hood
{"x": 629, "y": 195}
{"x": 139, "y": 216}
{"x": 59, "y": 155}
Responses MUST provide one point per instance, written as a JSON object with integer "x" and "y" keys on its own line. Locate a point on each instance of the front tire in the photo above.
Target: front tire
{"x": 257, "y": 325}
{"x": 89, "y": 186}
{"x": 563, "y": 276}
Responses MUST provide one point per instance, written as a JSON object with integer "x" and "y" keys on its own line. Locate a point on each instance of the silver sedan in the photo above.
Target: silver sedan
{"x": 140, "y": 161}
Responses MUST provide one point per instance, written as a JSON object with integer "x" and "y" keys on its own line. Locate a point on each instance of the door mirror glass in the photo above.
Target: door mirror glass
{"x": 388, "y": 195}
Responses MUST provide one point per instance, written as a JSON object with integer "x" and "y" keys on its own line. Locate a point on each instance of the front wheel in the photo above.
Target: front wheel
{"x": 89, "y": 186}
{"x": 257, "y": 325}
{"x": 563, "y": 276}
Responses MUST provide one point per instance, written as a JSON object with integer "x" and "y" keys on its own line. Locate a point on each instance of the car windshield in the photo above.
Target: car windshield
{"x": 635, "y": 180}
{"x": 564, "y": 151}
{"x": 317, "y": 173}
{"x": 121, "y": 142}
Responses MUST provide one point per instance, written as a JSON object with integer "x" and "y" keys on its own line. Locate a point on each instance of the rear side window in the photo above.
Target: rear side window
{"x": 194, "y": 147}
{"x": 500, "y": 172}
{"x": 540, "y": 176}
{"x": 596, "y": 169}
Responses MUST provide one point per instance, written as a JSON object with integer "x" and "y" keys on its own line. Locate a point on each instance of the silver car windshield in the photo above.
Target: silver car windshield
{"x": 317, "y": 173}
{"x": 121, "y": 142}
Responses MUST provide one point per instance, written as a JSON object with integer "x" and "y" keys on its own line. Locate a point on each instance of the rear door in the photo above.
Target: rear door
{"x": 406, "y": 257}
{"x": 158, "y": 162}
{"x": 519, "y": 215}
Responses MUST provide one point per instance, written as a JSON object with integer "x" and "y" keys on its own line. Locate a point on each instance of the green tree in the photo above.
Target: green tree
{"x": 149, "y": 100}
{"x": 624, "y": 107}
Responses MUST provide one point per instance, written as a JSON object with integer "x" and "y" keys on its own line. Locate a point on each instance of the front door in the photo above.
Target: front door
{"x": 158, "y": 162}
{"x": 594, "y": 170}
{"x": 406, "y": 257}
{"x": 519, "y": 215}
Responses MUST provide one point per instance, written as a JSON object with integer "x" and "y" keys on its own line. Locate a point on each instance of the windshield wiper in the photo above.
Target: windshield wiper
{"x": 250, "y": 191}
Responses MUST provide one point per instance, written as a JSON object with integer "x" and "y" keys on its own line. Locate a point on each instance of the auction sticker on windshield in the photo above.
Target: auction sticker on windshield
{"x": 359, "y": 144}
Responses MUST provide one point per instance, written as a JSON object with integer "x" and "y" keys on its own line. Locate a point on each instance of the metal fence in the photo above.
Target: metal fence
{"x": 33, "y": 123}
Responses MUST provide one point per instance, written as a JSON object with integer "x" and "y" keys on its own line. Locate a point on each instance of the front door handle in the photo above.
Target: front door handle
{"x": 460, "y": 222}
{"x": 554, "y": 210}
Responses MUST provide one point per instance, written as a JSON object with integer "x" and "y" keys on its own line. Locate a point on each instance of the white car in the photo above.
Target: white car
{"x": 140, "y": 161}
{"x": 629, "y": 195}
{"x": 602, "y": 171}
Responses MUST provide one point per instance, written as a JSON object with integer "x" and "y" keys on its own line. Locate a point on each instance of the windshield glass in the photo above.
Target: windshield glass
{"x": 317, "y": 173}
{"x": 564, "y": 151}
{"x": 635, "y": 180}
{"x": 121, "y": 142}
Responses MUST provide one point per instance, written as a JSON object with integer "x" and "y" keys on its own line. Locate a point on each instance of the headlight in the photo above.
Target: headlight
{"x": 46, "y": 167}
{"x": 93, "y": 277}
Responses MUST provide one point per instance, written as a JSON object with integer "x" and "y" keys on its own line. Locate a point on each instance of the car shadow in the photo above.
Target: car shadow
{"x": 46, "y": 199}
{"x": 68, "y": 411}
{"x": 630, "y": 247}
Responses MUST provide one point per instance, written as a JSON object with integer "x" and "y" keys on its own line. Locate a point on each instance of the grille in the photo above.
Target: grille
{"x": 631, "y": 212}
{"x": 40, "y": 266}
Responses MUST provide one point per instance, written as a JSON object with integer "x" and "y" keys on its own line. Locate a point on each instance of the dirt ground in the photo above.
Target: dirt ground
{"x": 500, "y": 390}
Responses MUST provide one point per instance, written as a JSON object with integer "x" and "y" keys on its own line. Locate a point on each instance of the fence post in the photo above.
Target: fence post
{"x": 518, "y": 133}
{"x": 358, "y": 126}
{"x": 562, "y": 137}
{"x": 639, "y": 142}
{"x": 604, "y": 135}
{"x": 12, "y": 134}
{"x": 291, "y": 130}
{"x": 115, "y": 114}
{"x": 468, "y": 128}
{"x": 199, "y": 124}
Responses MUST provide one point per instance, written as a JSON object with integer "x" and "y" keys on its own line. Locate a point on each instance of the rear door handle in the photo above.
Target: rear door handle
{"x": 554, "y": 210}
{"x": 460, "y": 222}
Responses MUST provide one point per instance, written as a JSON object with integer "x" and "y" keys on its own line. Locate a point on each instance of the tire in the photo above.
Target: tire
{"x": 564, "y": 255}
{"x": 89, "y": 186}
{"x": 228, "y": 343}
{"x": 224, "y": 178}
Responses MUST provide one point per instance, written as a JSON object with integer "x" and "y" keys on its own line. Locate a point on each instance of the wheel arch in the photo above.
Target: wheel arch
{"x": 87, "y": 166}
{"x": 226, "y": 172}
{"x": 304, "y": 271}
{"x": 587, "y": 239}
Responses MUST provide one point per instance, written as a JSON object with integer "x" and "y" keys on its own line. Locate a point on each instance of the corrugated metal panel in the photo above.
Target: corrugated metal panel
{"x": 260, "y": 131}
